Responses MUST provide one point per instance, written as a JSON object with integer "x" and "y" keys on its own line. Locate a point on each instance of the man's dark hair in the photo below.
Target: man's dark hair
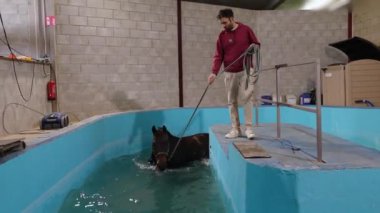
{"x": 225, "y": 13}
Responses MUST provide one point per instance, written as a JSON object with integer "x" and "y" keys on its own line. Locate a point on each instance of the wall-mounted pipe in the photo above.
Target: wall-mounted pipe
{"x": 349, "y": 24}
{"x": 180, "y": 66}
{"x": 44, "y": 27}
{"x": 42, "y": 34}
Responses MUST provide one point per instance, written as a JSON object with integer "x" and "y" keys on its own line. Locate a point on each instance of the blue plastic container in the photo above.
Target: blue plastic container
{"x": 305, "y": 98}
{"x": 267, "y": 97}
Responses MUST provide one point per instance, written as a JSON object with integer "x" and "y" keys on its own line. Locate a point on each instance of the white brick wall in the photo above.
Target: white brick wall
{"x": 129, "y": 50}
{"x": 200, "y": 31}
{"x": 366, "y": 20}
{"x": 17, "y": 24}
{"x": 295, "y": 37}
{"x": 18, "y": 118}
{"x": 286, "y": 37}
{"x": 20, "y": 30}
{"x": 116, "y": 55}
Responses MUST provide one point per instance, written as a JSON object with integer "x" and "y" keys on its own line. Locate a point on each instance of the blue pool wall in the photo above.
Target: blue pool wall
{"x": 39, "y": 179}
{"x": 262, "y": 188}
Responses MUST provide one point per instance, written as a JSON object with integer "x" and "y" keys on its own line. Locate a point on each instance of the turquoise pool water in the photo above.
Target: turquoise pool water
{"x": 130, "y": 184}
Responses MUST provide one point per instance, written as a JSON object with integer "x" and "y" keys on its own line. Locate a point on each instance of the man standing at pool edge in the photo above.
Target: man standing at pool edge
{"x": 232, "y": 42}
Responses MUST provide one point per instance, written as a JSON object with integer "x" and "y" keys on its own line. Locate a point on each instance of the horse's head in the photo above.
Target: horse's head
{"x": 161, "y": 146}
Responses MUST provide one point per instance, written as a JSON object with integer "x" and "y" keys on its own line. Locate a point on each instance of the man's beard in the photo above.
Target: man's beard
{"x": 229, "y": 27}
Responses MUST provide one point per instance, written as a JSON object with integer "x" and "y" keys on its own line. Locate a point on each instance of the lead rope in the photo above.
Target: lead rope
{"x": 247, "y": 54}
{"x": 247, "y": 64}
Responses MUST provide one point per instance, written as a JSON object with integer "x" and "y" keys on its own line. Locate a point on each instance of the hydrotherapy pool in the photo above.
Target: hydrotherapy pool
{"x": 39, "y": 179}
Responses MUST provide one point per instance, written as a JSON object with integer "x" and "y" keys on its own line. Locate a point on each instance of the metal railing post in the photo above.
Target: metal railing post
{"x": 318, "y": 112}
{"x": 278, "y": 105}
{"x": 257, "y": 113}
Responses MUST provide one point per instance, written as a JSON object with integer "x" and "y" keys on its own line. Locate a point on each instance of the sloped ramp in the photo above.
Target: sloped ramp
{"x": 251, "y": 150}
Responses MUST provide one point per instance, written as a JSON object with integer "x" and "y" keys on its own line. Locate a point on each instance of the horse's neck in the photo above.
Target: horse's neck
{"x": 173, "y": 141}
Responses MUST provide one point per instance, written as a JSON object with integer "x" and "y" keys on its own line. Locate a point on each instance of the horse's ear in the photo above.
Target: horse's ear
{"x": 164, "y": 128}
{"x": 154, "y": 130}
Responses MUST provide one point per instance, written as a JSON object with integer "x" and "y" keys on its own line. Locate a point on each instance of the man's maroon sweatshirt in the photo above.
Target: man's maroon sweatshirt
{"x": 230, "y": 45}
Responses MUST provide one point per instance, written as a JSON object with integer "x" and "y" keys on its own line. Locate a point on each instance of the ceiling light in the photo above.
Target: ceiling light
{"x": 324, "y": 4}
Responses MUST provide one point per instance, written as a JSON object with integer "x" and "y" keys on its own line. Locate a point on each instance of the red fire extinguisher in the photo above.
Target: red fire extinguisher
{"x": 51, "y": 90}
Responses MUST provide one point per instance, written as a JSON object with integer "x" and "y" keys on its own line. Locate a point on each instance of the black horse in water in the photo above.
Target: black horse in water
{"x": 190, "y": 148}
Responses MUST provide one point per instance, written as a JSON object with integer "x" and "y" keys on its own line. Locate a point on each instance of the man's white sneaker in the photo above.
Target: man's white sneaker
{"x": 249, "y": 133}
{"x": 234, "y": 133}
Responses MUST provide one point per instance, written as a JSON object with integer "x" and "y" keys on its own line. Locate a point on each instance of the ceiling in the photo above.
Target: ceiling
{"x": 278, "y": 4}
{"x": 246, "y": 4}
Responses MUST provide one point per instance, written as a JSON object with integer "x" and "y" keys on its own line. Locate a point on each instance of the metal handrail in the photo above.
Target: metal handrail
{"x": 317, "y": 110}
{"x": 289, "y": 105}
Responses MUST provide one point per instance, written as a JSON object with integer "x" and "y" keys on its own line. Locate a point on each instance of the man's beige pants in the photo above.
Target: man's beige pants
{"x": 236, "y": 91}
